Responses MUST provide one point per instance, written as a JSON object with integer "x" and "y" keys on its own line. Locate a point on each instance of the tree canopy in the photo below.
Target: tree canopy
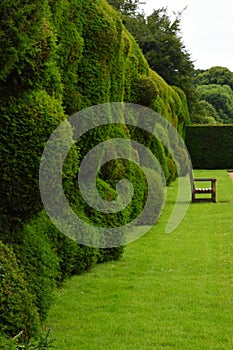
{"x": 215, "y": 75}
{"x": 221, "y": 98}
{"x": 160, "y": 39}
{"x": 204, "y": 113}
{"x": 126, "y": 7}
{"x": 215, "y": 87}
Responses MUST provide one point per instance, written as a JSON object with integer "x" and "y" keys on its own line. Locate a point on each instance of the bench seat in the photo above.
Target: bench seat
{"x": 203, "y": 190}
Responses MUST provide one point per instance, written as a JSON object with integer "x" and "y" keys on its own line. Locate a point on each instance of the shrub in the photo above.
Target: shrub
{"x": 40, "y": 342}
{"x": 54, "y": 255}
{"x": 74, "y": 258}
{"x": 172, "y": 173}
{"x": 157, "y": 193}
{"x": 109, "y": 254}
{"x": 17, "y": 311}
{"x": 26, "y": 123}
{"x": 145, "y": 91}
{"x": 97, "y": 218}
{"x": 39, "y": 263}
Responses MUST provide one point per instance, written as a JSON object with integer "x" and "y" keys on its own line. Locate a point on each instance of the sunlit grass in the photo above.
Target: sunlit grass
{"x": 169, "y": 291}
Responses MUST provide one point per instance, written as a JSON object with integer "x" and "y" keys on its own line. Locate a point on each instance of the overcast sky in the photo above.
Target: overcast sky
{"x": 207, "y": 29}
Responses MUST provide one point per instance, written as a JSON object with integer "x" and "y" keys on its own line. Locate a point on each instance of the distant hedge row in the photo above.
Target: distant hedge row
{"x": 210, "y": 146}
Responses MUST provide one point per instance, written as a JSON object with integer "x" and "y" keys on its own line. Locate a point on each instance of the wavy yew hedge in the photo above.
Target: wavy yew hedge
{"x": 17, "y": 311}
{"x": 57, "y": 58}
{"x": 210, "y": 146}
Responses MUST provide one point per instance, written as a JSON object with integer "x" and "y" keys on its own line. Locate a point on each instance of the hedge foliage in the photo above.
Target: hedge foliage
{"x": 57, "y": 58}
{"x": 17, "y": 311}
{"x": 210, "y": 146}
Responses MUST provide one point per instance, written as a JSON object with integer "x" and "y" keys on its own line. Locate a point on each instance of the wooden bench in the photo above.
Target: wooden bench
{"x": 203, "y": 190}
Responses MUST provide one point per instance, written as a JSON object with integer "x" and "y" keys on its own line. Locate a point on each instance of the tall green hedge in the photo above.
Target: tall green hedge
{"x": 210, "y": 146}
{"x": 58, "y": 57}
{"x": 17, "y": 311}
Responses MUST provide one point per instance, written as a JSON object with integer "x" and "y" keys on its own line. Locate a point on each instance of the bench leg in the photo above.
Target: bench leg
{"x": 214, "y": 192}
{"x": 193, "y": 197}
{"x": 214, "y": 197}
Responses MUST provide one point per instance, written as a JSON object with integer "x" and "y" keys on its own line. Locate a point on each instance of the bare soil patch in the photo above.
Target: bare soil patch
{"x": 230, "y": 173}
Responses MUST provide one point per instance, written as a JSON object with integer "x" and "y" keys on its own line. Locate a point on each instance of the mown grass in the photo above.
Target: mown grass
{"x": 169, "y": 291}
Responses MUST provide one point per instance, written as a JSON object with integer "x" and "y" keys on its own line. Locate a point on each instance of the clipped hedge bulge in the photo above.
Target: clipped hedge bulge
{"x": 17, "y": 311}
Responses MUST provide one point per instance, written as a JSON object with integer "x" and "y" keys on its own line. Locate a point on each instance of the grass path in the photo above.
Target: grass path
{"x": 167, "y": 292}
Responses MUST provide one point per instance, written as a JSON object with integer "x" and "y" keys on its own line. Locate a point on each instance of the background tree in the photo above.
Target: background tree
{"x": 221, "y": 97}
{"x": 126, "y": 7}
{"x": 160, "y": 39}
{"x": 214, "y": 87}
{"x": 204, "y": 113}
{"x": 215, "y": 75}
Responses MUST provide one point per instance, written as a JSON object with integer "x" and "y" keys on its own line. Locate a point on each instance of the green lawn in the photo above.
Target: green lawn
{"x": 169, "y": 291}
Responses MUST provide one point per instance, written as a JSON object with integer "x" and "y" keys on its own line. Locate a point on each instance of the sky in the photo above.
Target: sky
{"x": 206, "y": 27}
